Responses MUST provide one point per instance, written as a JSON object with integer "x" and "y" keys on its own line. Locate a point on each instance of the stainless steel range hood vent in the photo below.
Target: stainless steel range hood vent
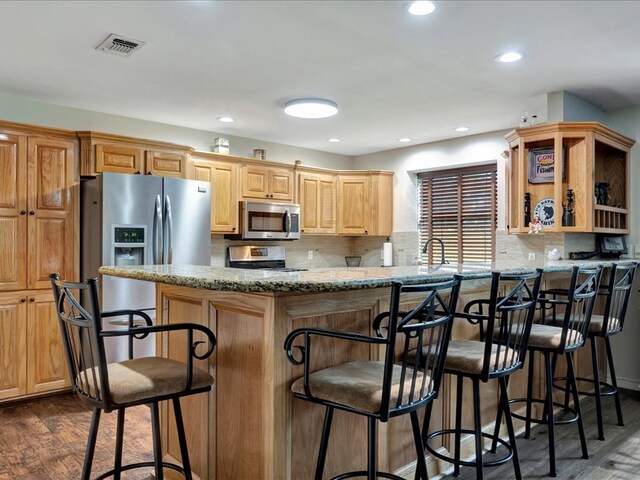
{"x": 119, "y": 45}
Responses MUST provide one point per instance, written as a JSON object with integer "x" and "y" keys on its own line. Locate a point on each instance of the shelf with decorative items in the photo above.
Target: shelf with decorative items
{"x": 584, "y": 189}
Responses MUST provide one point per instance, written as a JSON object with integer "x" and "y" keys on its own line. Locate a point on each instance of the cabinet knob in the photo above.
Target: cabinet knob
{"x": 31, "y": 212}
{"x": 22, "y": 300}
{"x": 233, "y": 229}
{"x": 366, "y": 232}
{"x": 32, "y": 299}
{"x": 149, "y": 173}
{"x": 23, "y": 212}
{"x": 138, "y": 172}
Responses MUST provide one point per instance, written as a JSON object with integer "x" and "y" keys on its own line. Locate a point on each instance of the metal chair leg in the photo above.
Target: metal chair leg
{"x": 157, "y": 446}
{"x": 372, "y": 462}
{"x": 527, "y": 423}
{"x": 596, "y": 386}
{"x": 576, "y": 401}
{"x": 496, "y": 428}
{"x": 184, "y": 451}
{"x": 549, "y": 406}
{"x": 421, "y": 464}
{"x": 478, "y": 428}
{"x": 91, "y": 444}
{"x": 504, "y": 404}
{"x": 117, "y": 465}
{"x": 456, "y": 465}
{"x": 324, "y": 441}
{"x": 614, "y": 381}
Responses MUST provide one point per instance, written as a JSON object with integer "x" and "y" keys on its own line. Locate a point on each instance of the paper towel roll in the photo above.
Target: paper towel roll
{"x": 387, "y": 254}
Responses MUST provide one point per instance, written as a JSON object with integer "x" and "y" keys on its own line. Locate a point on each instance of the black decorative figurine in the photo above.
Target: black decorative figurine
{"x": 567, "y": 214}
{"x": 527, "y": 209}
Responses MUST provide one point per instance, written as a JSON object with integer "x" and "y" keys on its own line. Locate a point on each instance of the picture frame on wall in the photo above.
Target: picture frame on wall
{"x": 542, "y": 163}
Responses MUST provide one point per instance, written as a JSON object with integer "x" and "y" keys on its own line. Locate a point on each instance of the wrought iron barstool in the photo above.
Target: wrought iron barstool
{"x": 564, "y": 332}
{"x": 616, "y": 293}
{"x": 136, "y": 381}
{"x": 380, "y": 390}
{"x": 504, "y": 322}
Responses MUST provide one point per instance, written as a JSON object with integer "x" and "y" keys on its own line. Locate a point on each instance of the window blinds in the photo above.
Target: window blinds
{"x": 459, "y": 207}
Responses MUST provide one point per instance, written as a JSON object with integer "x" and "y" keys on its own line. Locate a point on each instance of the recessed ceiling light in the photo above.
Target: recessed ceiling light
{"x": 461, "y": 129}
{"x": 311, "y": 108}
{"x": 404, "y": 140}
{"x": 508, "y": 57}
{"x": 421, "y": 8}
{"x": 226, "y": 119}
{"x": 333, "y": 140}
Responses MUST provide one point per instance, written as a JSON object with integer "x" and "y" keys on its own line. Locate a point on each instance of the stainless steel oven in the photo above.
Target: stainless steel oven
{"x": 269, "y": 221}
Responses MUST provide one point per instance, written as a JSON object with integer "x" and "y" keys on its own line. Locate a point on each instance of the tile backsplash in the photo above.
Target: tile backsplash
{"x": 329, "y": 251}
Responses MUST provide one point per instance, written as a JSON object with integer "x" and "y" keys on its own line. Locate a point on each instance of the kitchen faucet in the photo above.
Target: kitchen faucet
{"x": 426, "y": 246}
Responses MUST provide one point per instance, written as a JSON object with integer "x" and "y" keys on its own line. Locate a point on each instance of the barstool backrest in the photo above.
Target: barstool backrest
{"x": 617, "y": 292}
{"x": 582, "y": 294}
{"x": 427, "y": 328}
{"x": 514, "y": 313}
{"x": 83, "y": 344}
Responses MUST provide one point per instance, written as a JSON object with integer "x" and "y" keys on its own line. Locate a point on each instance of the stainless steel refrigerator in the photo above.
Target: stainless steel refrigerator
{"x": 140, "y": 220}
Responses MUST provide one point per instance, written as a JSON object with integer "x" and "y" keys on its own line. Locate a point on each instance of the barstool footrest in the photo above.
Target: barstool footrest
{"x": 363, "y": 473}
{"x": 133, "y": 466}
{"x": 606, "y": 389}
{"x": 466, "y": 463}
{"x": 541, "y": 421}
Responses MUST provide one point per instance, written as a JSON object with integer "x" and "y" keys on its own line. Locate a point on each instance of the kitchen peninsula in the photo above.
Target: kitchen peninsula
{"x": 249, "y": 426}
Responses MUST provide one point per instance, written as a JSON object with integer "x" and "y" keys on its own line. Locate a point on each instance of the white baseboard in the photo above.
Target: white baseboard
{"x": 626, "y": 383}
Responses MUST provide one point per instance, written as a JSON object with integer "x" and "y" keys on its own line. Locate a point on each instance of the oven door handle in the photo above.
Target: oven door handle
{"x": 287, "y": 221}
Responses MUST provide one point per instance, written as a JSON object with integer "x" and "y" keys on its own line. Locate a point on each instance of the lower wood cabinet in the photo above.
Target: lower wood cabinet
{"x": 32, "y": 358}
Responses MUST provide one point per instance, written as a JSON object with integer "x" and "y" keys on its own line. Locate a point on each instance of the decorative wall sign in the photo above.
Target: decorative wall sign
{"x": 542, "y": 163}
{"x": 545, "y": 210}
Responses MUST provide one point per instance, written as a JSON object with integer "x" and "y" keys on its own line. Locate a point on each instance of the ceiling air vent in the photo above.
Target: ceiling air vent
{"x": 119, "y": 45}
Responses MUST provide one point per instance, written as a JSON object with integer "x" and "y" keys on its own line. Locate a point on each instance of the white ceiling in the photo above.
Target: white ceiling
{"x": 392, "y": 74}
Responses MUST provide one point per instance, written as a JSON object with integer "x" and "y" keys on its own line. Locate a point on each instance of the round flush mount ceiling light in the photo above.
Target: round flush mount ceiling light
{"x": 421, "y": 8}
{"x": 310, "y": 108}
{"x": 226, "y": 119}
{"x": 508, "y": 57}
{"x": 461, "y": 129}
{"x": 404, "y": 140}
{"x": 333, "y": 140}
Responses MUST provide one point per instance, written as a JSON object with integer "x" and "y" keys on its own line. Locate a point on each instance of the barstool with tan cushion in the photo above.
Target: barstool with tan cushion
{"x": 136, "y": 381}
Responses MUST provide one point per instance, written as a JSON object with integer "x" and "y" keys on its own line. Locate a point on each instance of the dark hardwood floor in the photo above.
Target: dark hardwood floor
{"x": 45, "y": 439}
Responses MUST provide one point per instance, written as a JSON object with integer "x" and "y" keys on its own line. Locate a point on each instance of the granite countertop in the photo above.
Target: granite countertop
{"x": 319, "y": 279}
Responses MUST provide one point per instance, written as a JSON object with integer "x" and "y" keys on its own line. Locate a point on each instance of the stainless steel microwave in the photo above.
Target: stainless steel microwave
{"x": 269, "y": 221}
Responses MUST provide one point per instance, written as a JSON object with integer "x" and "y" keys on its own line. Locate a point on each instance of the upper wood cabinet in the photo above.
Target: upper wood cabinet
{"x": 223, "y": 176}
{"x": 548, "y": 160}
{"x": 267, "y": 182}
{"x": 38, "y": 211}
{"x": 365, "y": 203}
{"x": 317, "y": 196}
{"x": 113, "y": 153}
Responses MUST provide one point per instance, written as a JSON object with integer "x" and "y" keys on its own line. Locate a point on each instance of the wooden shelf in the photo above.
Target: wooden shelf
{"x": 591, "y": 153}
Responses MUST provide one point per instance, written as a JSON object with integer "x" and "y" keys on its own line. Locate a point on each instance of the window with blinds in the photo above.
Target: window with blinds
{"x": 458, "y": 207}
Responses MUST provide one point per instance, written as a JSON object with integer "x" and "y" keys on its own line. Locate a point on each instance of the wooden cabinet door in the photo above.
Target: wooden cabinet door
{"x": 255, "y": 182}
{"x": 166, "y": 164}
{"x": 47, "y": 368}
{"x": 353, "y": 204}
{"x": 13, "y": 336}
{"x": 317, "y": 198}
{"x": 118, "y": 159}
{"x": 281, "y": 184}
{"x": 52, "y": 206}
{"x": 224, "y": 193}
{"x": 13, "y": 212}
